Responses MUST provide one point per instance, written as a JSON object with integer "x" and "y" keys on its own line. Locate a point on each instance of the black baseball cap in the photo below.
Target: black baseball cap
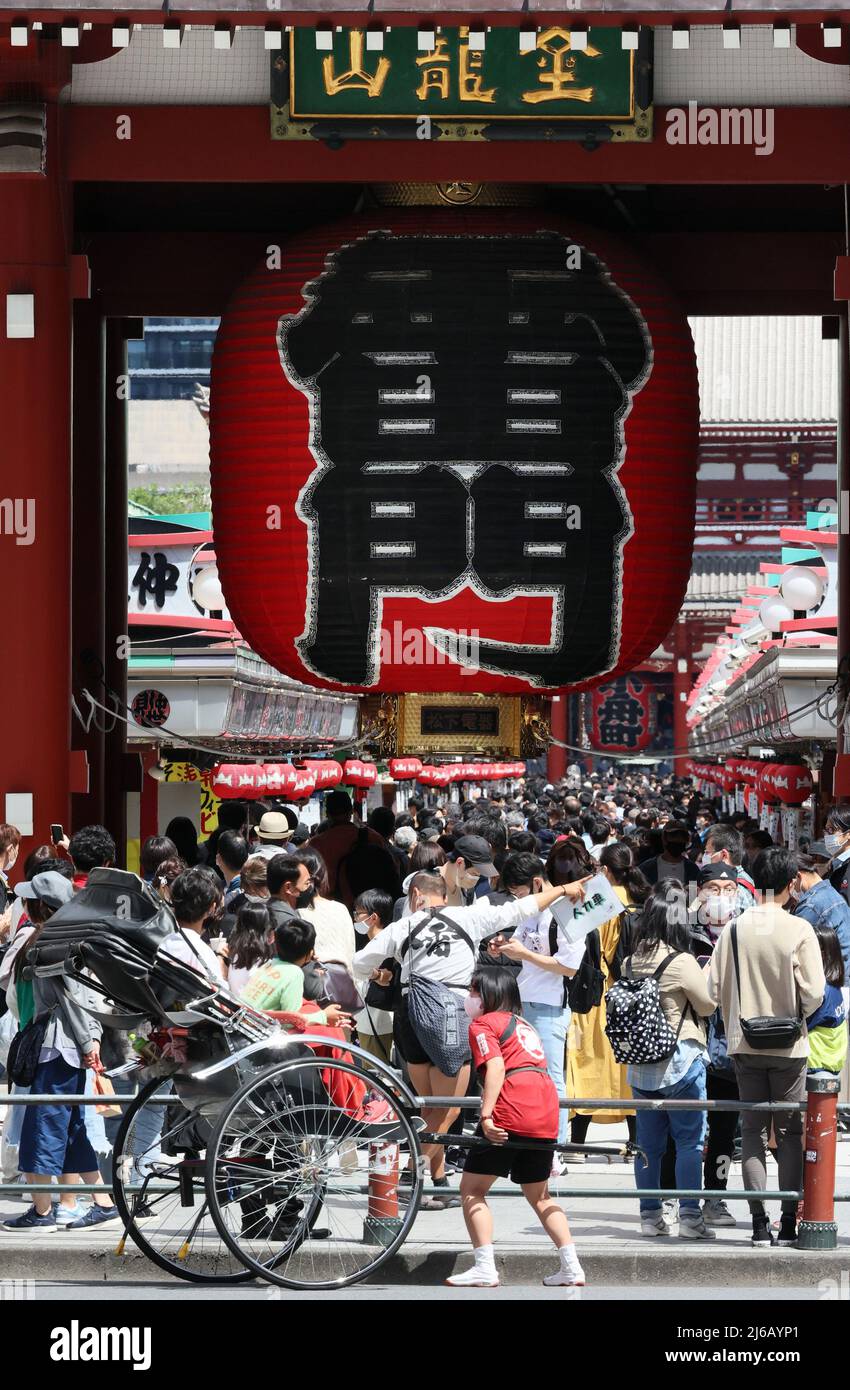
{"x": 715, "y": 871}
{"x": 475, "y": 851}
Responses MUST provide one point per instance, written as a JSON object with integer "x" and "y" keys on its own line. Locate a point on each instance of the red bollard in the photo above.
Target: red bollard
{"x": 818, "y": 1229}
{"x": 382, "y": 1222}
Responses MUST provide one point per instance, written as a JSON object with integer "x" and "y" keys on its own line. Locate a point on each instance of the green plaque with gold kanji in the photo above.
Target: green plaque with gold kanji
{"x": 553, "y": 81}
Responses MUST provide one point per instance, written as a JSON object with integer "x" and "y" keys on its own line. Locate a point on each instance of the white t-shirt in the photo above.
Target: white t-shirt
{"x": 439, "y": 950}
{"x": 238, "y": 977}
{"x": 335, "y": 938}
{"x": 538, "y": 986}
{"x": 195, "y": 953}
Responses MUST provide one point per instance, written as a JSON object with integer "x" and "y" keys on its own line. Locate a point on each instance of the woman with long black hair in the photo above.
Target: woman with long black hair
{"x": 519, "y": 1122}
{"x": 249, "y": 946}
{"x": 663, "y": 943}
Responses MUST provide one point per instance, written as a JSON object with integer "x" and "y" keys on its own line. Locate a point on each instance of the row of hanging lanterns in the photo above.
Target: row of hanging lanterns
{"x": 773, "y": 783}
{"x": 250, "y": 780}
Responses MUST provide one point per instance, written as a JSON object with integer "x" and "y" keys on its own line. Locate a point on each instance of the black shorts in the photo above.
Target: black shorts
{"x": 520, "y": 1165}
{"x": 406, "y": 1041}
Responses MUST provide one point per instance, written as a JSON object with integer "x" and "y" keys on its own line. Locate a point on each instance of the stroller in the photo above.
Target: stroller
{"x": 249, "y": 1150}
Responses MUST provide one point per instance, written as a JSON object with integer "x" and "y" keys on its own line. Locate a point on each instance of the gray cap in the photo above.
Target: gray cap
{"x": 51, "y": 888}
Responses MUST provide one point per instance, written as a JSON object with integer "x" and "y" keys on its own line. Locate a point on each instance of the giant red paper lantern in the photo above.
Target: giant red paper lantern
{"x": 432, "y": 422}
{"x": 621, "y": 715}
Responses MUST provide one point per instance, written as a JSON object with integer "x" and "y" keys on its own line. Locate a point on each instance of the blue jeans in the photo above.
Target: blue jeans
{"x": 551, "y": 1023}
{"x": 687, "y": 1128}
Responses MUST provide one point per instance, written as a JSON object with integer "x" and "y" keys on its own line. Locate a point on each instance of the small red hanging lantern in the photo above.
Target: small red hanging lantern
{"x": 328, "y": 773}
{"x": 303, "y": 784}
{"x": 405, "y": 769}
{"x": 764, "y": 784}
{"x": 792, "y": 785}
{"x": 234, "y": 781}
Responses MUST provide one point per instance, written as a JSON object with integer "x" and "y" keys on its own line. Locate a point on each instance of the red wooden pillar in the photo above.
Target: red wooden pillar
{"x": 556, "y": 758}
{"x": 841, "y": 775}
{"x": 35, "y": 495}
{"x": 89, "y": 582}
{"x": 681, "y": 686}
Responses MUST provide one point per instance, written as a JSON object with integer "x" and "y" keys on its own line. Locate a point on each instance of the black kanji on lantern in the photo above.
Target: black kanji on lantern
{"x": 467, "y": 404}
{"x": 156, "y": 580}
{"x": 621, "y": 716}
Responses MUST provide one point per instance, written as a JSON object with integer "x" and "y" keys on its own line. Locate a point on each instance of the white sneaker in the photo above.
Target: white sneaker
{"x": 653, "y": 1224}
{"x": 716, "y": 1213}
{"x": 558, "y": 1166}
{"x": 571, "y": 1278}
{"x": 479, "y": 1277}
{"x": 573, "y": 1158}
{"x": 694, "y": 1228}
{"x": 670, "y": 1211}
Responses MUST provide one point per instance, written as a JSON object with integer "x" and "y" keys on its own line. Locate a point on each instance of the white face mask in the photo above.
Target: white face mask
{"x": 473, "y": 1006}
{"x": 833, "y": 843}
{"x": 705, "y": 860}
{"x": 718, "y": 910}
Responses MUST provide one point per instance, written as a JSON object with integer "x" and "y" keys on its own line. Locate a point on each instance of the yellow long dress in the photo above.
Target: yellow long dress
{"x": 591, "y": 1068}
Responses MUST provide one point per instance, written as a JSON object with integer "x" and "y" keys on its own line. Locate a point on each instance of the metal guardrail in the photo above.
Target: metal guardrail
{"x": 474, "y": 1103}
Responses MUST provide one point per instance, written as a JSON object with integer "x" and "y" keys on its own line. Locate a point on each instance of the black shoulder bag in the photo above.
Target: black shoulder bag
{"x": 25, "y": 1050}
{"x": 586, "y": 987}
{"x": 765, "y": 1034}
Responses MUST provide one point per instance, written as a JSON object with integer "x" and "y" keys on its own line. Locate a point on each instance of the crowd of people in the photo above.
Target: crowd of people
{"x": 443, "y": 941}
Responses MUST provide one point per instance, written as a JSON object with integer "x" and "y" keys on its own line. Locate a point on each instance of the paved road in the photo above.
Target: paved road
{"x": 87, "y": 1295}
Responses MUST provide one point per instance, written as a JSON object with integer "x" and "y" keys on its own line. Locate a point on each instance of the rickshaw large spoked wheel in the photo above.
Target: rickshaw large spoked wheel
{"x": 160, "y": 1192}
{"x": 282, "y": 1145}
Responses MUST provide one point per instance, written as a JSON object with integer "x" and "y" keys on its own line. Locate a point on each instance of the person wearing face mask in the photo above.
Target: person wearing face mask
{"x": 703, "y": 822}
{"x": 818, "y": 901}
{"x": 718, "y": 902}
{"x": 470, "y": 860}
{"x": 543, "y": 973}
{"x": 767, "y": 965}
{"x": 837, "y": 842}
{"x": 335, "y": 938}
{"x": 725, "y": 845}
{"x": 518, "y": 1128}
{"x": 671, "y": 862}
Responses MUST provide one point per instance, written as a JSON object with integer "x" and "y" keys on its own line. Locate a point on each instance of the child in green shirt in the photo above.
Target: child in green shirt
{"x": 278, "y": 985}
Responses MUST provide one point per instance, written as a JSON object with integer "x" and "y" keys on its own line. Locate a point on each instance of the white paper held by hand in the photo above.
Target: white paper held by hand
{"x": 599, "y": 905}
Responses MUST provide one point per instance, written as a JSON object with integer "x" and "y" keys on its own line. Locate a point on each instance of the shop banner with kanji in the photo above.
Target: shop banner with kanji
{"x": 553, "y": 80}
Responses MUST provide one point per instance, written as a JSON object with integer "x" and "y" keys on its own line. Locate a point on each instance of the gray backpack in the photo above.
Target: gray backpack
{"x": 436, "y": 1012}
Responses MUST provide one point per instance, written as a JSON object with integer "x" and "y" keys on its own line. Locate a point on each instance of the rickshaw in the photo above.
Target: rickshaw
{"x": 249, "y": 1150}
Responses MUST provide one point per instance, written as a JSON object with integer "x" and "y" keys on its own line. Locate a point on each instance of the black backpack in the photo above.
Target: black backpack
{"x": 368, "y": 866}
{"x": 582, "y": 991}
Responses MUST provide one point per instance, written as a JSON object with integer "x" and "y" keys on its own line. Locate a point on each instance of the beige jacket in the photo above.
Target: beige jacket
{"x": 682, "y": 983}
{"x": 781, "y": 970}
